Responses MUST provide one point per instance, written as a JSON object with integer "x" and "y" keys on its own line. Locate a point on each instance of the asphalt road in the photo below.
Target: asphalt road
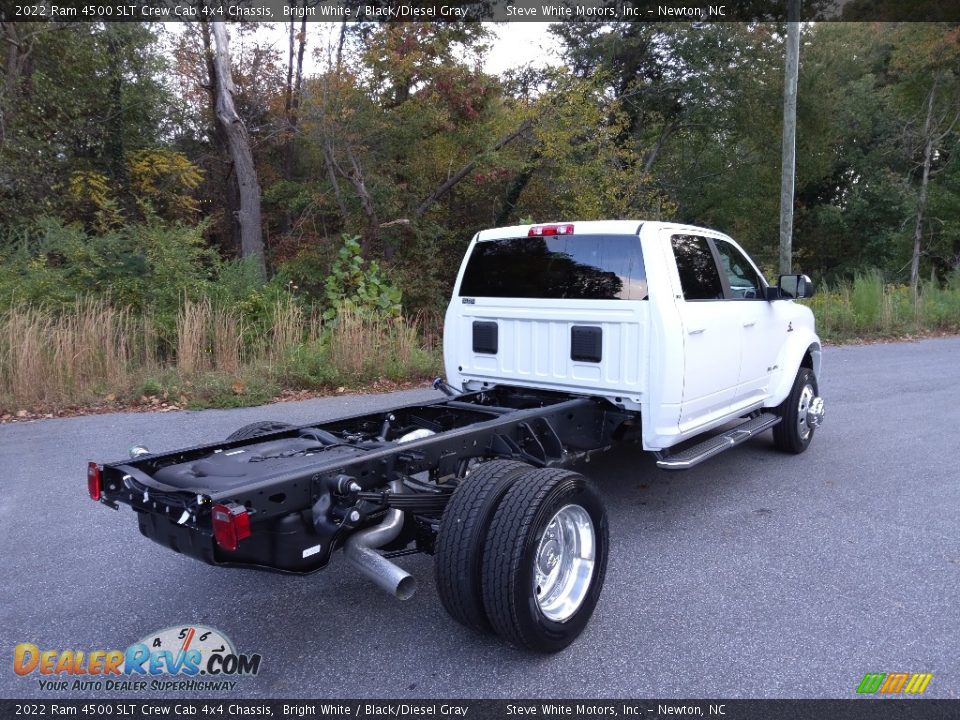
{"x": 754, "y": 575}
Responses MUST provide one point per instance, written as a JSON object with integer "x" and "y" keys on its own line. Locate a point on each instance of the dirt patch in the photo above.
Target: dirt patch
{"x": 153, "y": 403}
{"x": 894, "y": 338}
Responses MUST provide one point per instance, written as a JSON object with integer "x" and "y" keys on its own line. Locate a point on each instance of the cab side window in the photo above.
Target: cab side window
{"x": 699, "y": 277}
{"x": 745, "y": 282}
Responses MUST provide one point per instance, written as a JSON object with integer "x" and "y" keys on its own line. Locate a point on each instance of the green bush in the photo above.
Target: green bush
{"x": 354, "y": 282}
{"x": 138, "y": 266}
{"x": 147, "y": 310}
{"x": 866, "y": 300}
{"x": 868, "y": 307}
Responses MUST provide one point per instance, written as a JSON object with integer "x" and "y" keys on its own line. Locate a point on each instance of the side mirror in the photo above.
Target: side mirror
{"x": 795, "y": 287}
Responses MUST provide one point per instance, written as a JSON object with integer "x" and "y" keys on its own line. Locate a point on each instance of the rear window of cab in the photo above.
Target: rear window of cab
{"x": 560, "y": 267}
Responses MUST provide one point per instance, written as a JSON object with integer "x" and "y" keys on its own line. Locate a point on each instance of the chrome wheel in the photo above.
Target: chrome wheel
{"x": 564, "y": 563}
{"x": 800, "y": 413}
{"x": 807, "y": 396}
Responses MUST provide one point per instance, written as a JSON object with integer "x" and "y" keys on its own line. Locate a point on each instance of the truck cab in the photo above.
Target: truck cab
{"x": 673, "y": 321}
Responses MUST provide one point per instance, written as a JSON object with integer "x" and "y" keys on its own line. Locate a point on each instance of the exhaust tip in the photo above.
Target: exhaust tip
{"x": 406, "y": 588}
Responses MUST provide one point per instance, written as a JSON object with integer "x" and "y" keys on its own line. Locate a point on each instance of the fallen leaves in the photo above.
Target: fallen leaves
{"x": 163, "y": 403}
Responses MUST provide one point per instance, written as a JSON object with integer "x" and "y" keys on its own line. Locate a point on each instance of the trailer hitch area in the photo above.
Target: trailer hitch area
{"x": 448, "y": 390}
{"x": 335, "y": 495}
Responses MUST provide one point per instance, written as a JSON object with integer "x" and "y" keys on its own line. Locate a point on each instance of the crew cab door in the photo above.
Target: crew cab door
{"x": 712, "y": 333}
{"x": 761, "y": 332}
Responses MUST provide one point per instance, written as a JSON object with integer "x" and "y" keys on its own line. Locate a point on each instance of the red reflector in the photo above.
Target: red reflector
{"x": 231, "y": 524}
{"x": 540, "y": 230}
{"x": 93, "y": 480}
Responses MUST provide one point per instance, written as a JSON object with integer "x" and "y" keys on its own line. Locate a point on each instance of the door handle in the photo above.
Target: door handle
{"x": 750, "y": 324}
{"x": 698, "y": 331}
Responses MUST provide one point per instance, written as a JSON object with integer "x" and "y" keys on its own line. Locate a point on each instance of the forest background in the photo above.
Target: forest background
{"x": 135, "y": 269}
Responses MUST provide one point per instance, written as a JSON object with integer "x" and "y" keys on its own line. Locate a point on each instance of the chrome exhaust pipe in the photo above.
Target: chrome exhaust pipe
{"x": 360, "y": 550}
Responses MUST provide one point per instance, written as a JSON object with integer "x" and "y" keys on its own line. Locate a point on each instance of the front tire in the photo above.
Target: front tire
{"x": 545, "y": 560}
{"x": 793, "y": 433}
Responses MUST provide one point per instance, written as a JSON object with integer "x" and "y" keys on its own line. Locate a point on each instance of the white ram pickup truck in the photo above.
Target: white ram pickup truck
{"x": 673, "y": 322}
{"x": 561, "y": 340}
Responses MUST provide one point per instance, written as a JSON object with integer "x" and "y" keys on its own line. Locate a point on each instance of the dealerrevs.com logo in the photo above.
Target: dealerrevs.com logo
{"x": 198, "y": 657}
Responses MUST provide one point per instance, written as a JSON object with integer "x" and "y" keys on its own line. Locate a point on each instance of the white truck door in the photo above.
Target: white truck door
{"x": 760, "y": 329}
{"x": 711, "y": 330}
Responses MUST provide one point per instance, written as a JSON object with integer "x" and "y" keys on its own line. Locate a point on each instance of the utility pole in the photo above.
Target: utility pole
{"x": 789, "y": 164}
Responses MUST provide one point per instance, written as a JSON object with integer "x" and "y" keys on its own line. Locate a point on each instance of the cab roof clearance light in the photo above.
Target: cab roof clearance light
{"x": 542, "y": 230}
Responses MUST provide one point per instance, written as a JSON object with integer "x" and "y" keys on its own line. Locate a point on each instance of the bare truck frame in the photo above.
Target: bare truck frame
{"x": 284, "y": 498}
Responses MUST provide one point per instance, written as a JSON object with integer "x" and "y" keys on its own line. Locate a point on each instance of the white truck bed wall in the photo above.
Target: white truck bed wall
{"x": 535, "y": 346}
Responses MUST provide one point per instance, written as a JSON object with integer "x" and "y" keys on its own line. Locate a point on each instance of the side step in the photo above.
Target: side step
{"x": 696, "y": 454}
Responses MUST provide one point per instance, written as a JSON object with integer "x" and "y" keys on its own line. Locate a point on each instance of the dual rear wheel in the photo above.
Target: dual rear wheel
{"x": 522, "y": 552}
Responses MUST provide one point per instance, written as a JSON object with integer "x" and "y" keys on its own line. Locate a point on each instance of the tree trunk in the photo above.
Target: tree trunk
{"x": 928, "y": 132}
{"x": 343, "y": 37}
{"x": 294, "y": 91}
{"x": 332, "y": 175}
{"x": 450, "y": 182}
{"x": 19, "y": 44}
{"x": 238, "y": 142}
{"x": 11, "y": 78}
{"x": 231, "y": 235}
{"x": 651, "y": 158}
{"x": 366, "y": 202}
{"x": 517, "y": 187}
{"x": 114, "y": 145}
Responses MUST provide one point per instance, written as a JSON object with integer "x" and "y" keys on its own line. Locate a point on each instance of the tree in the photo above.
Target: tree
{"x": 238, "y": 142}
{"x": 927, "y": 63}
{"x": 76, "y": 98}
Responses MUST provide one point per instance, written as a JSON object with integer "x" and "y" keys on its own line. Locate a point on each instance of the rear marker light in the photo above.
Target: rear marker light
{"x": 231, "y": 524}
{"x": 93, "y": 481}
{"x": 541, "y": 230}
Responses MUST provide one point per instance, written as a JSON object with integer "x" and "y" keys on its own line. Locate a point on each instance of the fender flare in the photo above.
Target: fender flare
{"x": 801, "y": 350}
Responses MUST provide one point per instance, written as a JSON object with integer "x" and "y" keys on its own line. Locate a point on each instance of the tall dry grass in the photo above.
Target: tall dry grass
{"x": 361, "y": 345}
{"x": 286, "y": 329}
{"x": 208, "y": 338}
{"x": 53, "y": 359}
{"x": 95, "y": 350}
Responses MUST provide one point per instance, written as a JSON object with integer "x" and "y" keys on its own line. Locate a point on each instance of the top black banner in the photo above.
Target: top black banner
{"x": 485, "y": 10}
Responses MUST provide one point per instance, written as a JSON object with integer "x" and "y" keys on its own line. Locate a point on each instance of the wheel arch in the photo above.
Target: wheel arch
{"x": 802, "y": 350}
{"x": 812, "y": 359}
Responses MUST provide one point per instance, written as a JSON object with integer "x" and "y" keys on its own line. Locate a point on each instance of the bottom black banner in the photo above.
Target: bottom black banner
{"x": 855, "y": 709}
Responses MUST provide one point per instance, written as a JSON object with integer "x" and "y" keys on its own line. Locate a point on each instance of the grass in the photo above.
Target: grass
{"x": 868, "y": 308}
{"x": 95, "y": 352}
{"x": 48, "y": 359}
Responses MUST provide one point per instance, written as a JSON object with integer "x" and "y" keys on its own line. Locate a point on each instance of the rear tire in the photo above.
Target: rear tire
{"x": 262, "y": 427}
{"x": 793, "y": 434}
{"x": 545, "y": 560}
{"x": 462, "y": 536}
